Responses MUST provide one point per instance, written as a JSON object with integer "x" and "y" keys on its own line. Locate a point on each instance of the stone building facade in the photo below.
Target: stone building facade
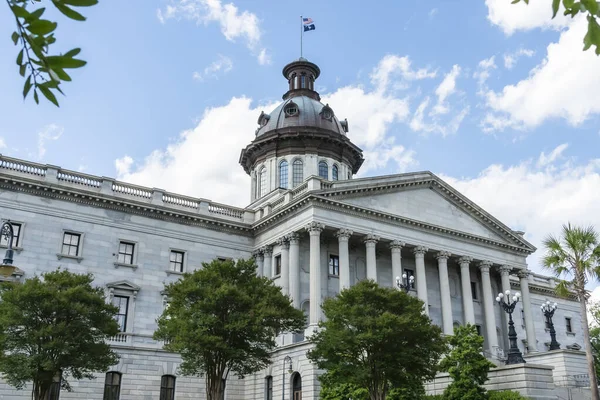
{"x": 313, "y": 227}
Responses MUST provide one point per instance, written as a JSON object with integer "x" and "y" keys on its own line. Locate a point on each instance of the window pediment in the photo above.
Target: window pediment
{"x": 123, "y": 286}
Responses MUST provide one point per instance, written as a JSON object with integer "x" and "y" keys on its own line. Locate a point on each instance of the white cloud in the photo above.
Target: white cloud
{"x": 510, "y": 59}
{"x": 391, "y": 67}
{"x": 418, "y": 123}
{"x": 564, "y": 85}
{"x": 50, "y": 132}
{"x": 537, "y": 197}
{"x": 264, "y": 58}
{"x": 219, "y": 67}
{"x": 123, "y": 165}
{"x": 482, "y": 73}
{"x": 433, "y": 12}
{"x": 235, "y": 24}
{"x": 514, "y": 17}
{"x": 2, "y": 143}
{"x": 445, "y": 89}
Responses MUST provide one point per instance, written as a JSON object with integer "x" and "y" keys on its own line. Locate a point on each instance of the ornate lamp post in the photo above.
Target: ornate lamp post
{"x": 290, "y": 370}
{"x": 7, "y": 231}
{"x": 406, "y": 283}
{"x": 548, "y": 311}
{"x": 514, "y": 354}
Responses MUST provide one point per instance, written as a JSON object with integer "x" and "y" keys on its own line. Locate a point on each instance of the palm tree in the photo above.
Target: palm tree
{"x": 577, "y": 254}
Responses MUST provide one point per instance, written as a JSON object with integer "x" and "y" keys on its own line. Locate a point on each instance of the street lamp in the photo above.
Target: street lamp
{"x": 7, "y": 231}
{"x": 514, "y": 354}
{"x": 290, "y": 370}
{"x": 406, "y": 283}
{"x": 548, "y": 311}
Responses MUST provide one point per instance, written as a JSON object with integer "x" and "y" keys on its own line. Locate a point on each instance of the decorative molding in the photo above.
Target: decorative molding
{"x": 60, "y": 256}
{"x": 465, "y": 261}
{"x": 397, "y": 245}
{"x": 504, "y": 270}
{"x": 523, "y": 273}
{"x": 484, "y": 266}
{"x": 371, "y": 239}
{"x": 293, "y": 238}
{"x": 314, "y": 228}
{"x": 132, "y": 266}
{"x": 420, "y": 251}
{"x": 283, "y": 242}
{"x": 443, "y": 255}
{"x": 343, "y": 234}
{"x": 267, "y": 250}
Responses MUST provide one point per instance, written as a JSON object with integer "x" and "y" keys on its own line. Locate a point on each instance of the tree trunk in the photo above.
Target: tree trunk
{"x": 588, "y": 348}
{"x": 215, "y": 387}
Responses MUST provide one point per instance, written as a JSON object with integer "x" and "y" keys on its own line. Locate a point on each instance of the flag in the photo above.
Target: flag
{"x": 308, "y": 24}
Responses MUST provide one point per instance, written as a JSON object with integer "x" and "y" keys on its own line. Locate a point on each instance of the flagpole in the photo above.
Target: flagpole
{"x": 301, "y": 35}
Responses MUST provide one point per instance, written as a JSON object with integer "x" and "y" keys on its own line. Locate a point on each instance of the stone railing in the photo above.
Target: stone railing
{"x": 66, "y": 179}
{"x": 299, "y": 190}
{"x": 120, "y": 338}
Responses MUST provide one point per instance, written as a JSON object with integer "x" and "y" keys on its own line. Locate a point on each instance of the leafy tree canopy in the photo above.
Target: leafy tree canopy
{"x": 35, "y": 36}
{"x": 466, "y": 365}
{"x": 376, "y": 338}
{"x": 223, "y": 318}
{"x": 572, "y": 8}
{"x": 54, "y": 326}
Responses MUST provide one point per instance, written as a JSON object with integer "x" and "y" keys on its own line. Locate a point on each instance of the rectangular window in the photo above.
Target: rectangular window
{"x": 70, "y": 244}
{"x": 122, "y": 303}
{"x": 167, "y": 387}
{"x": 278, "y": 265}
{"x": 297, "y": 173}
{"x": 112, "y": 386}
{"x": 334, "y": 265}
{"x": 474, "y": 290}
{"x": 569, "y": 326}
{"x": 16, "y": 236}
{"x": 269, "y": 388}
{"x": 176, "y": 261}
{"x": 478, "y": 327}
{"x": 409, "y": 273}
{"x": 126, "y": 250}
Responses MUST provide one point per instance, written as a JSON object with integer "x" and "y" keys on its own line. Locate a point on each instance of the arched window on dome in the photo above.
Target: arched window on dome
{"x": 262, "y": 179}
{"x": 283, "y": 174}
{"x": 303, "y": 81}
{"x": 334, "y": 173}
{"x": 297, "y": 172}
{"x": 323, "y": 170}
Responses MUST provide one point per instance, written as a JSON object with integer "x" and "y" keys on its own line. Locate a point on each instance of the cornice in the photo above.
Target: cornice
{"x": 544, "y": 290}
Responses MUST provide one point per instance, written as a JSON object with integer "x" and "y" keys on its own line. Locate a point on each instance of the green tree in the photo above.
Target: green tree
{"x": 223, "y": 318}
{"x": 576, "y": 254}
{"x": 572, "y": 8}
{"x": 376, "y": 338}
{"x": 35, "y": 36}
{"x": 466, "y": 365}
{"x": 595, "y": 336}
{"x": 54, "y": 327}
{"x": 331, "y": 390}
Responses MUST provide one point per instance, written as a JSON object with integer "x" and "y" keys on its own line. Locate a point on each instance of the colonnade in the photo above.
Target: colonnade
{"x": 290, "y": 278}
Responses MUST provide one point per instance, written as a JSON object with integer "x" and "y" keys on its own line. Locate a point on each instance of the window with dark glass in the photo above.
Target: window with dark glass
{"x": 297, "y": 172}
{"x": 278, "y": 264}
{"x": 167, "y": 387}
{"x": 269, "y": 388}
{"x": 569, "y": 326}
{"x": 112, "y": 386}
{"x": 303, "y": 81}
{"x": 323, "y": 170}
{"x": 283, "y": 174}
{"x": 478, "y": 327}
{"x": 409, "y": 273}
{"x": 122, "y": 303}
{"x": 16, "y": 236}
{"x": 126, "y": 250}
{"x": 176, "y": 261}
{"x": 70, "y": 244}
{"x": 334, "y": 173}
{"x": 334, "y": 265}
{"x": 474, "y": 290}
{"x": 291, "y": 110}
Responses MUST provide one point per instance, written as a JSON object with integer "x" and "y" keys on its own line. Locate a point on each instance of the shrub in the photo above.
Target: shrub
{"x": 505, "y": 395}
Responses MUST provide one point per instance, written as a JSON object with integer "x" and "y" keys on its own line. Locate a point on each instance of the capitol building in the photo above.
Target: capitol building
{"x": 312, "y": 226}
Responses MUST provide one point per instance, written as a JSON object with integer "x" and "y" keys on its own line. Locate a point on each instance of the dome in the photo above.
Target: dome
{"x": 301, "y": 112}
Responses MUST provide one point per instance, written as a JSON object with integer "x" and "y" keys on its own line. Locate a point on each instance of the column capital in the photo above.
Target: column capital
{"x": 267, "y": 250}
{"x": 371, "y": 238}
{"x": 343, "y": 234}
{"x": 293, "y": 238}
{"x": 443, "y": 255}
{"x": 504, "y": 270}
{"x": 397, "y": 244}
{"x": 258, "y": 254}
{"x": 465, "y": 260}
{"x": 314, "y": 228}
{"x": 523, "y": 273}
{"x": 283, "y": 242}
{"x": 420, "y": 250}
{"x": 484, "y": 266}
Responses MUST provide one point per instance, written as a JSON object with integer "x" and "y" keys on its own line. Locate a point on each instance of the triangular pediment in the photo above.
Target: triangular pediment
{"x": 123, "y": 285}
{"x": 426, "y": 198}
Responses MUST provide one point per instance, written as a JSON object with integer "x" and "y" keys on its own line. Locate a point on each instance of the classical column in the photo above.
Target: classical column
{"x": 488, "y": 306}
{"x": 370, "y": 242}
{"x": 314, "y": 230}
{"x": 343, "y": 236}
{"x": 505, "y": 276}
{"x": 447, "y": 322}
{"x": 284, "y": 277}
{"x": 268, "y": 258}
{"x": 529, "y": 327}
{"x": 259, "y": 257}
{"x": 421, "y": 278}
{"x": 396, "y": 247}
{"x": 467, "y": 296}
{"x": 294, "y": 240}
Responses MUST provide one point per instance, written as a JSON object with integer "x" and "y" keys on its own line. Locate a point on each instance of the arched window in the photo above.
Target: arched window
{"x": 303, "y": 81}
{"x": 334, "y": 173}
{"x": 112, "y": 386}
{"x": 323, "y": 170}
{"x": 283, "y": 174}
{"x": 296, "y": 386}
{"x": 262, "y": 177}
{"x": 297, "y": 172}
{"x": 167, "y": 387}
{"x": 269, "y": 388}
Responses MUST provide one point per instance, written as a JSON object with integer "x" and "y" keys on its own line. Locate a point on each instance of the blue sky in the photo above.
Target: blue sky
{"x": 496, "y": 98}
